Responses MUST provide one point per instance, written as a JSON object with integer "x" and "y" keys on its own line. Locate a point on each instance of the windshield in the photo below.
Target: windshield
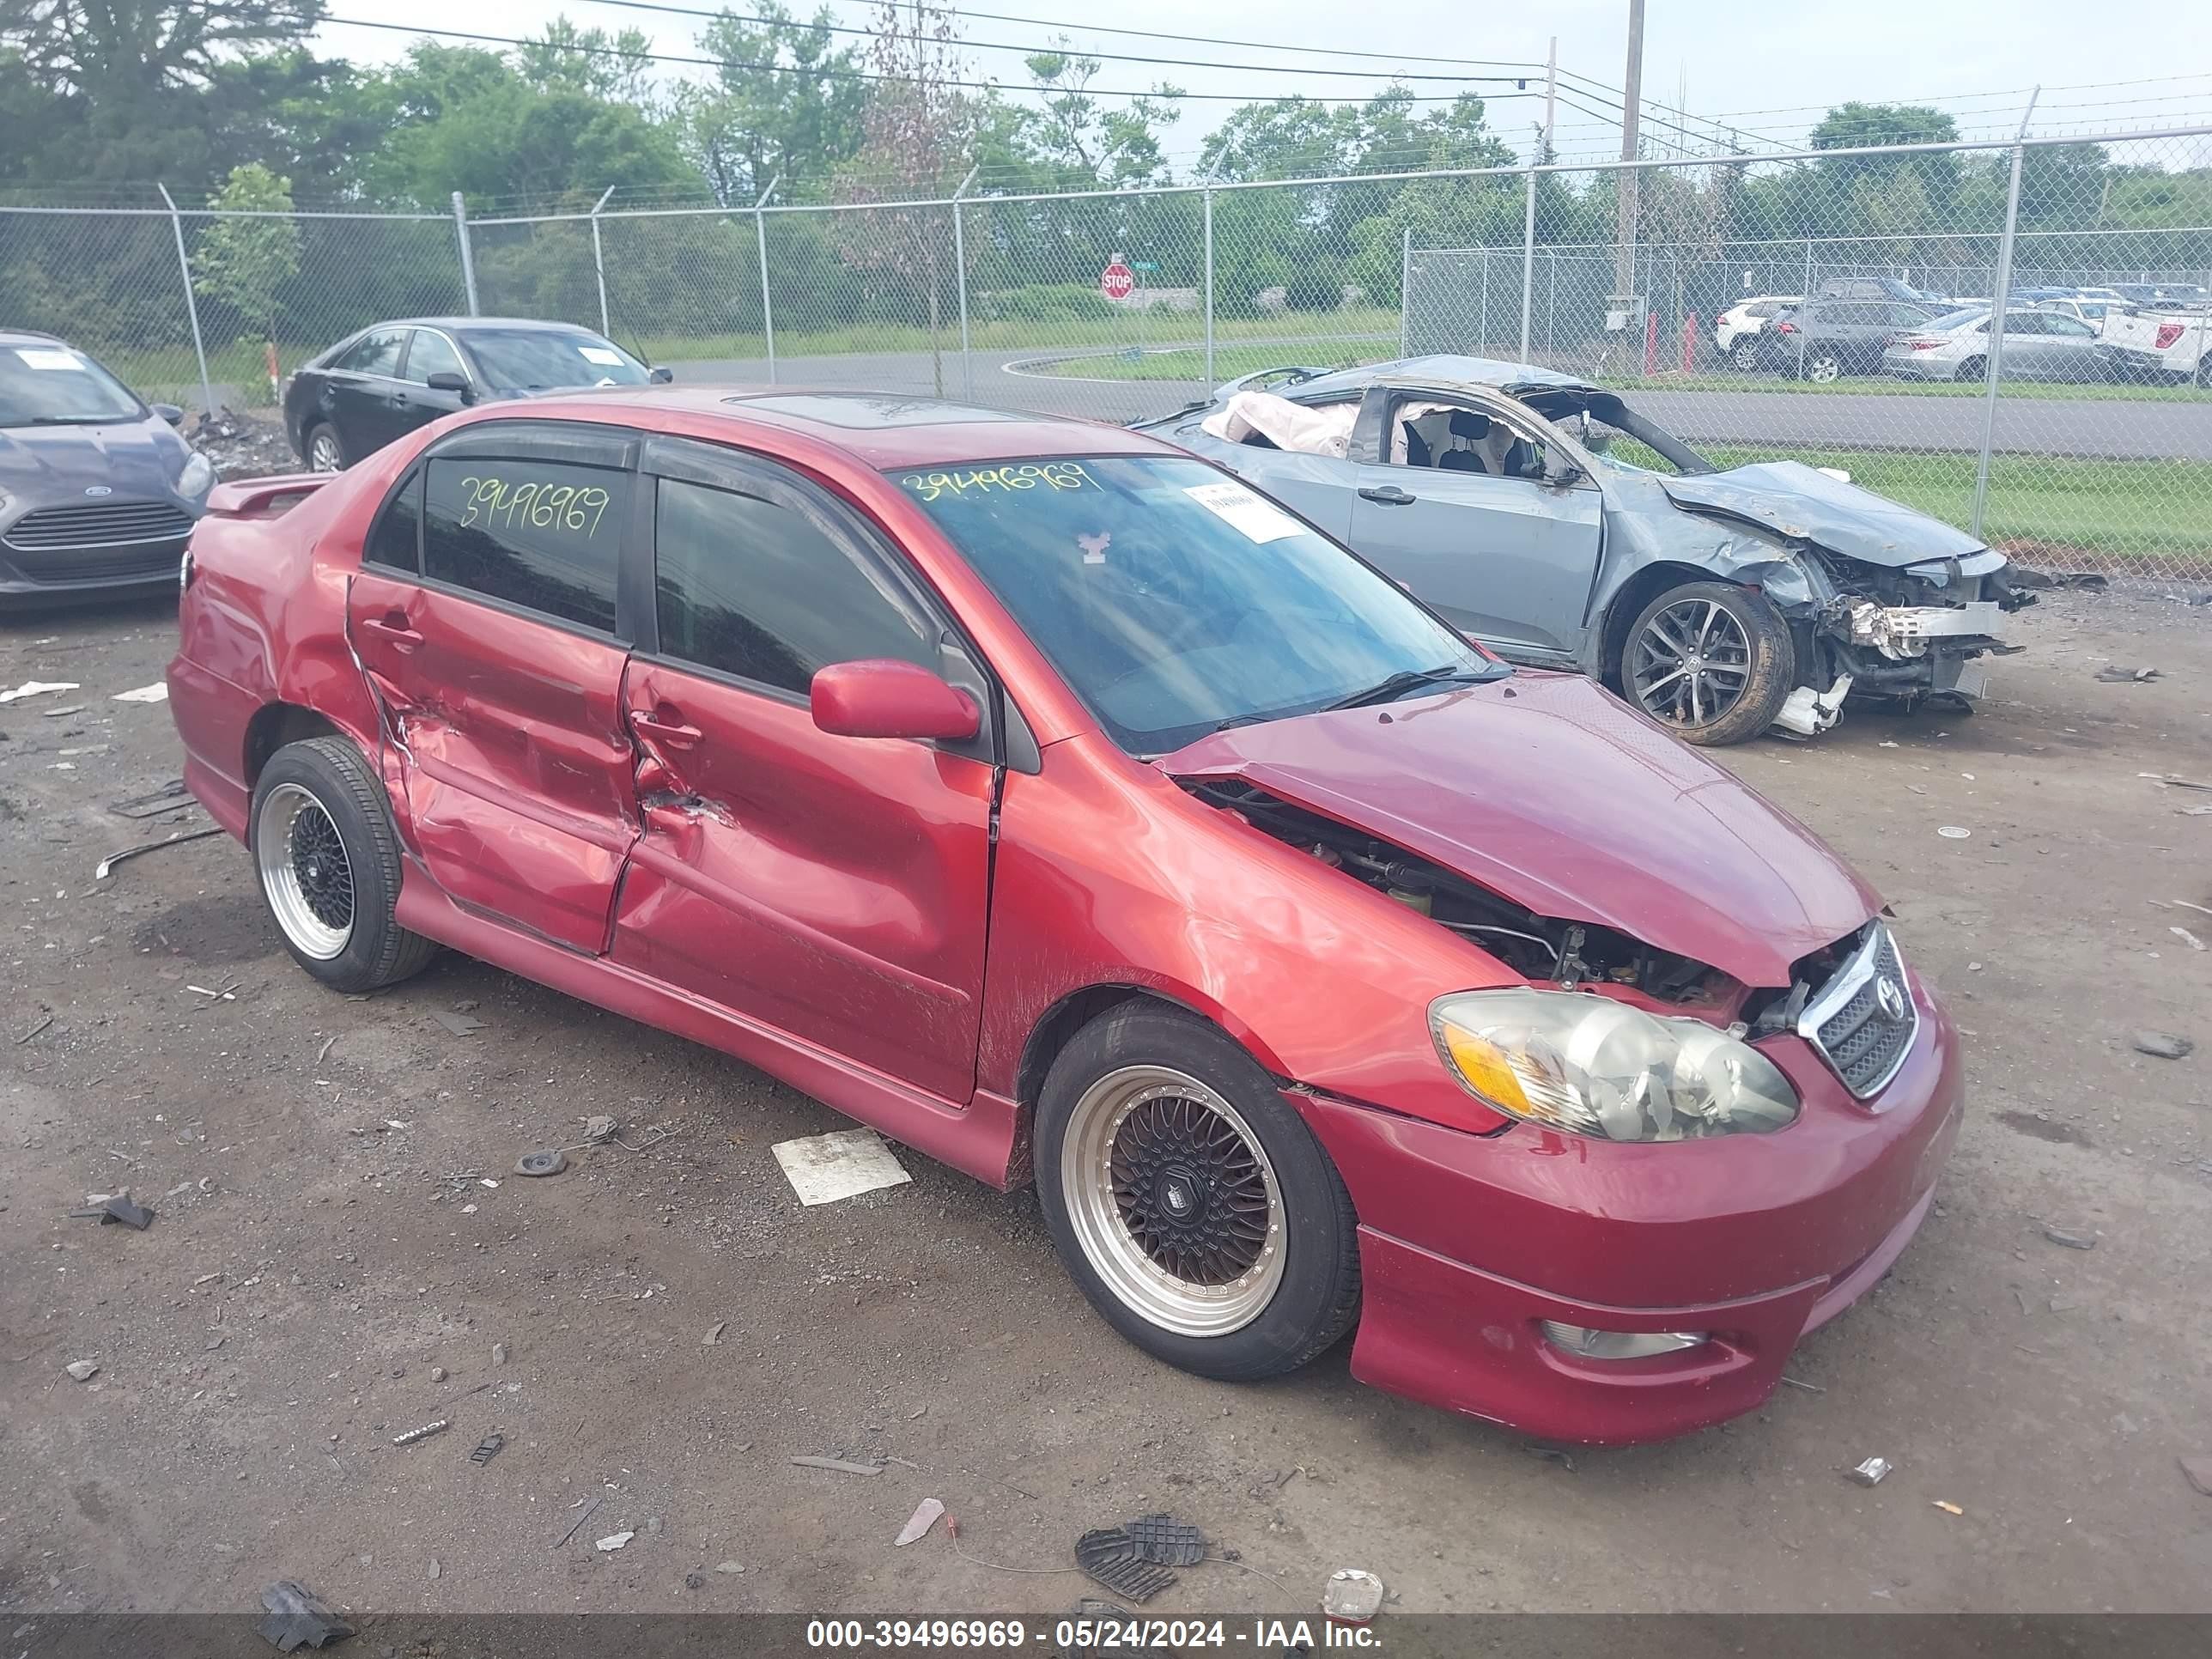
{"x": 538, "y": 358}
{"x": 1173, "y": 600}
{"x": 53, "y": 385}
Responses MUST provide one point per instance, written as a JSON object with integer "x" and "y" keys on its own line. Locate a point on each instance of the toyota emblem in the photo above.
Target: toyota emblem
{"x": 1891, "y": 998}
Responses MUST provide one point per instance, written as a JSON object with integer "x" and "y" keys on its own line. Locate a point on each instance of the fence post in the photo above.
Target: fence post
{"x": 468, "y": 259}
{"x": 1552, "y": 305}
{"x": 1528, "y": 264}
{"x": 191, "y": 305}
{"x": 1804, "y": 295}
{"x": 1205, "y": 213}
{"x": 2000, "y": 299}
{"x": 767, "y": 309}
{"x": 1482, "y": 315}
{"x": 960, "y": 271}
{"x": 1406, "y": 292}
{"x": 600, "y": 263}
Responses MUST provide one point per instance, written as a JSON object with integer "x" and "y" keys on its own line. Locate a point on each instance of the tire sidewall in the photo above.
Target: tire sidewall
{"x": 1773, "y": 663}
{"x": 320, "y": 428}
{"x": 1823, "y": 367}
{"x": 375, "y": 890}
{"x": 1305, "y": 1313}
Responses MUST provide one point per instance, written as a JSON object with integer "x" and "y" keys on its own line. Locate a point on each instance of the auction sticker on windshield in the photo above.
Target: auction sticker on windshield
{"x": 47, "y": 357}
{"x": 1238, "y": 507}
{"x": 602, "y": 356}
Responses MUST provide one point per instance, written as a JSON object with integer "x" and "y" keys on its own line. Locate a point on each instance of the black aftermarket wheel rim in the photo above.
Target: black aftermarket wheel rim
{"x": 1189, "y": 1191}
{"x": 1691, "y": 662}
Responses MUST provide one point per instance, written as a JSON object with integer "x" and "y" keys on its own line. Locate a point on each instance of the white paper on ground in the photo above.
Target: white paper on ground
{"x": 157, "y": 692}
{"x": 926, "y": 1515}
{"x": 823, "y": 1169}
{"x": 37, "y": 688}
{"x": 1256, "y": 519}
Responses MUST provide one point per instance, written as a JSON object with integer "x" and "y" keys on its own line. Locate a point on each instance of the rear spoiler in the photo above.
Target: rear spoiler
{"x": 265, "y": 498}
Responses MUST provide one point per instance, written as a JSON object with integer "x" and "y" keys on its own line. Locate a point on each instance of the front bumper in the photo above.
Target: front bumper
{"x": 1468, "y": 1241}
{"x": 70, "y": 576}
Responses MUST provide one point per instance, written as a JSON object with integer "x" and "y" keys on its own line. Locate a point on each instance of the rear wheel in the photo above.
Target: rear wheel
{"x": 2204, "y": 370}
{"x": 328, "y": 859}
{"x": 324, "y": 453}
{"x": 1713, "y": 662}
{"x": 1823, "y": 366}
{"x": 1744, "y": 354}
{"x": 1190, "y": 1204}
{"x": 1973, "y": 369}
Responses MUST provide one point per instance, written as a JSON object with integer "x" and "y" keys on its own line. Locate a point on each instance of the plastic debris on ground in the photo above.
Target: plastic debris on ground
{"x": 2197, "y": 1471}
{"x": 614, "y": 1541}
{"x": 1109, "y": 1556}
{"x": 82, "y": 1371}
{"x": 925, "y": 1517}
{"x": 1167, "y": 1542}
{"x": 298, "y": 1618}
{"x": 2162, "y": 1045}
{"x": 1872, "y": 1472}
{"x": 844, "y": 1163}
{"x": 2071, "y": 1240}
{"x": 136, "y": 1216}
{"x": 37, "y": 689}
{"x": 1352, "y": 1596}
{"x": 157, "y": 692}
{"x": 1952, "y": 831}
{"x": 549, "y": 1163}
{"x": 487, "y": 1449}
{"x": 422, "y": 1433}
{"x": 2118, "y": 674}
{"x": 459, "y": 1023}
{"x": 838, "y": 1465}
{"x": 1949, "y": 1508}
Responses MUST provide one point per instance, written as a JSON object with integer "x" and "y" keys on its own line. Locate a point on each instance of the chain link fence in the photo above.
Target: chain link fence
{"x": 1832, "y": 306}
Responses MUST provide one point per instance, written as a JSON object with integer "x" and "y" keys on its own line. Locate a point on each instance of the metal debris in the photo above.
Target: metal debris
{"x": 925, "y": 1517}
{"x": 1108, "y": 1556}
{"x": 136, "y": 1216}
{"x": 42, "y": 1024}
{"x": 838, "y": 1465}
{"x": 577, "y": 1525}
{"x": 2162, "y": 1045}
{"x": 171, "y": 797}
{"x": 1872, "y": 1472}
{"x": 100, "y": 872}
{"x": 599, "y": 1128}
{"x": 1352, "y": 1596}
{"x": 550, "y": 1163}
{"x": 487, "y": 1449}
{"x": 422, "y": 1433}
{"x": 297, "y": 1618}
{"x": 2173, "y": 780}
{"x": 460, "y": 1025}
{"x": 82, "y": 1371}
{"x": 2071, "y": 1240}
{"x": 614, "y": 1541}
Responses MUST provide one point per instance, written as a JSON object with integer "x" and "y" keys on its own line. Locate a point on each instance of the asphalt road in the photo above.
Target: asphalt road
{"x": 2150, "y": 430}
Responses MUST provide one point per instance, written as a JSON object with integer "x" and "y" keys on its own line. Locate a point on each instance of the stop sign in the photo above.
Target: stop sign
{"x": 1117, "y": 281}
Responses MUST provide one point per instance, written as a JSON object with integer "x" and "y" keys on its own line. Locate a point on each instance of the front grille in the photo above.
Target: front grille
{"x": 1863, "y": 1020}
{"x": 102, "y": 525}
{"x": 101, "y": 564}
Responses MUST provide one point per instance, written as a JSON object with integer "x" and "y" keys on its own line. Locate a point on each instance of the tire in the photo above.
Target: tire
{"x": 1972, "y": 370}
{"x": 325, "y": 451}
{"x": 2204, "y": 370}
{"x": 1744, "y": 354}
{"x": 1823, "y": 367}
{"x": 327, "y": 858}
{"x": 1750, "y": 656}
{"x": 1146, "y": 1103}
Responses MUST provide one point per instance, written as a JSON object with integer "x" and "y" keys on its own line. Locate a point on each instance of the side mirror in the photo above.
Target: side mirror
{"x": 881, "y": 698}
{"x": 446, "y": 380}
{"x": 172, "y": 413}
{"x": 660, "y": 375}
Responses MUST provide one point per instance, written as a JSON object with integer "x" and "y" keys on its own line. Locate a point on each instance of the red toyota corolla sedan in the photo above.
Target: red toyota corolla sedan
{"x": 1047, "y": 799}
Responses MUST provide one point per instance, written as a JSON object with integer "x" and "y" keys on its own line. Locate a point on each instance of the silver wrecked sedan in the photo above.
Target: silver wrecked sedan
{"x": 1545, "y": 518}
{"x": 98, "y": 493}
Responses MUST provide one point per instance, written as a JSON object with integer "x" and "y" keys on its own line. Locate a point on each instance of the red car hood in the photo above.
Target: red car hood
{"x": 1556, "y": 795}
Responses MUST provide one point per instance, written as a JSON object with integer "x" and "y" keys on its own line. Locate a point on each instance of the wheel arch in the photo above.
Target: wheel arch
{"x": 1056, "y": 1027}
{"x": 1627, "y": 604}
{"x": 276, "y": 724}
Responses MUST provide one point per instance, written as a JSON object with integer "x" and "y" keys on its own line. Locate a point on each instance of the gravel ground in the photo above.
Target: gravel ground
{"x": 329, "y": 1265}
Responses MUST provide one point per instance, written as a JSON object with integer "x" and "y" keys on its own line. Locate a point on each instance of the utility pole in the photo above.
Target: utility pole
{"x": 1632, "y": 104}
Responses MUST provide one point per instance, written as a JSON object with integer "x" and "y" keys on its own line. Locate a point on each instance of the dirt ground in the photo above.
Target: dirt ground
{"x": 328, "y": 1242}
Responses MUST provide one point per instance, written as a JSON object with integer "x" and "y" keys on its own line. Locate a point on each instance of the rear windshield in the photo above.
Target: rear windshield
{"x": 53, "y": 385}
{"x": 539, "y": 360}
{"x": 1174, "y": 599}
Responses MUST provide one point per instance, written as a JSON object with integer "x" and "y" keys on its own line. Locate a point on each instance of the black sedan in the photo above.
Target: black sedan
{"x": 387, "y": 380}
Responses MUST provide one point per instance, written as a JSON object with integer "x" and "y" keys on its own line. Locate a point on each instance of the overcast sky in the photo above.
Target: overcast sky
{"x": 1770, "y": 70}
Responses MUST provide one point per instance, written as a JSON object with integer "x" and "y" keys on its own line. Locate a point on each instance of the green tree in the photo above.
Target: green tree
{"x": 783, "y": 102}
{"x": 245, "y": 262}
{"x": 1081, "y": 142}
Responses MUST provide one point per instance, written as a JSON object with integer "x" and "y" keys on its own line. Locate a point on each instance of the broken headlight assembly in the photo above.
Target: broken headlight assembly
{"x": 1592, "y": 1065}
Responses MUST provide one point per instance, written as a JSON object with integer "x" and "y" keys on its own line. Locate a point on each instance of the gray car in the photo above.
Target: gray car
{"x": 98, "y": 493}
{"x": 2040, "y": 343}
{"x": 1545, "y": 518}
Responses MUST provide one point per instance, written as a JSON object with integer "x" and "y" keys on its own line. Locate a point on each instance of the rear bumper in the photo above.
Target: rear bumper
{"x": 1468, "y": 1241}
{"x": 1910, "y": 368}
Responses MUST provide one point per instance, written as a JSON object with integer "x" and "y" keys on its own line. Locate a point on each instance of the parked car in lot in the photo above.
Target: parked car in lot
{"x": 2083, "y": 306}
{"x": 2038, "y": 345}
{"x": 1552, "y": 520}
{"x": 1826, "y": 339}
{"x": 98, "y": 493}
{"x": 1874, "y": 288}
{"x": 1043, "y": 796}
{"x": 1735, "y": 330}
{"x": 2156, "y": 343}
{"x": 388, "y": 380}
{"x": 2169, "y": 295}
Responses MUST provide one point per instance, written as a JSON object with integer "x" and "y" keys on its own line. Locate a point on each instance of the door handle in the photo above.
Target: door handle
{"x": 1387, "y": 495}
{"x": 669, "y": 731}
{"x": 393, "y": 626}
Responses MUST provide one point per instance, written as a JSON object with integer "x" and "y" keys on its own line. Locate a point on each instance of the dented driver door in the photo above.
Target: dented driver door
{"x": 833, "y": 888}
{"x": 485, "y": 619}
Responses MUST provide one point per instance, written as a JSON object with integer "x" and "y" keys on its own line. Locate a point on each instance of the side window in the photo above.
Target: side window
{"x": 2067, "y": 328}
{"x": 543, "y": 535}
{"x": 396, "y": 542}
{"x": 431, "y": 354}
{"x": 1450, "y": 439}
{"x": 758, "y": 590}
{"x": 1907, "y": 316}
{"x": 375, "y": 353}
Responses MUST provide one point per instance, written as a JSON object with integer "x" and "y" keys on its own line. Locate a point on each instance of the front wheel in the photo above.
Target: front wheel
{"x": 1823, "y": 367}
{"x": 1713, "y": 662}
{"x": 1190, "y": 1204}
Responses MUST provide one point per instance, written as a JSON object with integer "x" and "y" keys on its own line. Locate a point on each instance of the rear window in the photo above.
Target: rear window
{"x": 545, "y": 537}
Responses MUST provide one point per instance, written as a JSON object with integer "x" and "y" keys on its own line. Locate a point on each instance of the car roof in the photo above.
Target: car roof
{"x": 1439, "y": 368}
{"x": 879, "y": 429}
{"x": 533, "y": 324}
{"x": 28, "y": 337}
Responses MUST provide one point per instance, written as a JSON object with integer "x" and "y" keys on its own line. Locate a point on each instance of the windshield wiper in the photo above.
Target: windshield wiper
{"x": 73, "y": 420}
{"x": 1405, "y": 680}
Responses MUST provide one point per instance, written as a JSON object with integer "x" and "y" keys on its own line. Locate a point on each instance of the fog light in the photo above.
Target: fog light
{"x": 1588, "y": 1344}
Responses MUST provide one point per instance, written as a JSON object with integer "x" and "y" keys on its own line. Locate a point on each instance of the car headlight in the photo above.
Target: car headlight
{"x": 1591, "y": 1066}
{"x": 198, "y": 478}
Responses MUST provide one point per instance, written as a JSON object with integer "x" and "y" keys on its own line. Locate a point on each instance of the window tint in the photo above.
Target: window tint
{"x": 545, "y": 537}
{"x": 760, "y": 591}
{"x": 376, "y": 353}
{"x": 396, "y": 539}
{"x": 431, "y": 354}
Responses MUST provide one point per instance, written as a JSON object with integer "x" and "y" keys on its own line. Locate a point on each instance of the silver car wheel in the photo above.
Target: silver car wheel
{"x": 305, "y": 873}
{"x": 1745, "y": 356}
{"x": 1173, "y": 1201}
{"x": 323, "y": 455}
{"x": 1691, "y": 663}
{"x": 1823, "y": 369}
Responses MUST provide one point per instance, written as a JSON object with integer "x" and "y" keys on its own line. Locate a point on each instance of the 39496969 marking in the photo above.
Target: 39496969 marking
{"x": 903, "y": 1635}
